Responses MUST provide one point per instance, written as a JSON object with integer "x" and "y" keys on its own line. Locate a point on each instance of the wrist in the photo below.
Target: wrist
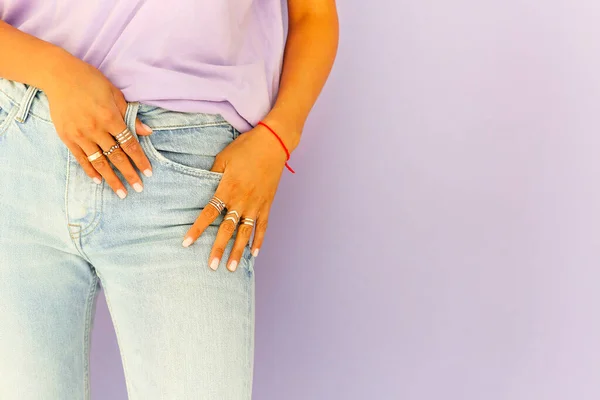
{"x": 58, "y": 62}
{"x": 284, "y": 152}
{"x": 288, "y": 131}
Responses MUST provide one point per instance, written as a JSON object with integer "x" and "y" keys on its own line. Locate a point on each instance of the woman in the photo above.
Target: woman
{"x": 200, "y": 98}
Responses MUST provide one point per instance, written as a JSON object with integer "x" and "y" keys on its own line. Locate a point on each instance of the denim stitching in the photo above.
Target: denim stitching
{"x": 206, "y": 125}
{"x": 93, "y": 224}
{"x": 234, "y": 132}
{"x": 98, "y": 214}
{"x": 198, "y": 173}
{"x": 26, "y": 101}
{"x": 9, "y": 118}
{"x": 68, "y": 224}
{"x": 17, "y": 104}
{"x": 86, "y": 337}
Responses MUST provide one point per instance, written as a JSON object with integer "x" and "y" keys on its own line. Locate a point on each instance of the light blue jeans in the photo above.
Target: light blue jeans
{"x": 184, "y": 331}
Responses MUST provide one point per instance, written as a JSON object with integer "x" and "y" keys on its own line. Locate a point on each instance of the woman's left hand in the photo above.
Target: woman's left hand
{"x": 252, "y": 166}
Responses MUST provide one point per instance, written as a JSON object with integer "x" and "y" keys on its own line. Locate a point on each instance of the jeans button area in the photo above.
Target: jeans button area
{"x": 82, "y": 195}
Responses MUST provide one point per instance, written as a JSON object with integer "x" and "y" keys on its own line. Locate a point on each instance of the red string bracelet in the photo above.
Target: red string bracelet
{"x": 280, "y": 141}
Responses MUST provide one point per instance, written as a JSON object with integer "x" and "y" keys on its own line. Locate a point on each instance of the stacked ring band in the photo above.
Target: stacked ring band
{"x": 217, "y": 203}
{"x": 232, "y": 215}
{"x": 124, "y": 136}
{"x": 247, "y": 221}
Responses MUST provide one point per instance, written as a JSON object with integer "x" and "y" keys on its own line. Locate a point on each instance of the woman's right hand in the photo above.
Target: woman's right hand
{"x": 88, "y": 112}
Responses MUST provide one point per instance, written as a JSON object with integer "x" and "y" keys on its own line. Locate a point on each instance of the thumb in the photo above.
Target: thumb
{"x": 141, "y": 128}
{"x": 218, "y": 165}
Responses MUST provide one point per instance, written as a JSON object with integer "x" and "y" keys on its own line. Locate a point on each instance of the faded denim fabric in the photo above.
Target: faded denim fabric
{"x": 184, "y": 331}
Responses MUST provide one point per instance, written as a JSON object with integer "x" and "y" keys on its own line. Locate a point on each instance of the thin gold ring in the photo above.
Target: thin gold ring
{"x": 95, "y": 156}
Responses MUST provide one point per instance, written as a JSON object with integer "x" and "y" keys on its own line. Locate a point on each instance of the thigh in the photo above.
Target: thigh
{"x": 47, "y": 290}
{"x": 47, "y": 301}
{"x": 184, "y": 330}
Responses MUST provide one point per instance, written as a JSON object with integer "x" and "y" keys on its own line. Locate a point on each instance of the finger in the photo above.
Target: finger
{"x": 141, "y": 128}
{"x": 207, "y": 216}
{"x": 103, "y": 166}
{"x": 132, "y": 148}
{"x": 260, "y": 230}
{"x": 82, "y": 159}
{"x": 244, "y": 232}
{"x": 225, "y": 232}
{"x": 120, "y": 160}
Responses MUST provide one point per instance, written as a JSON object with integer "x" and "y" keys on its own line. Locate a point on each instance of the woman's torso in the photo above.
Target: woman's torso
{"x": 211, "y": 56}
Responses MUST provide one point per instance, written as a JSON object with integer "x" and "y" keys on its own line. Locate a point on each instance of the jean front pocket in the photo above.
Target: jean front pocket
{"x": 189, "y": 150}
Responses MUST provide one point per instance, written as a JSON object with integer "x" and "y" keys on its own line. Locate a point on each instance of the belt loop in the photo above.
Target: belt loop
{"x": 131, "y": 115}
{"x": 25, "y": 104}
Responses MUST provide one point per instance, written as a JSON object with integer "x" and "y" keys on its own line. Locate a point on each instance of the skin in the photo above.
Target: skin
{"x": 88, "y": 111}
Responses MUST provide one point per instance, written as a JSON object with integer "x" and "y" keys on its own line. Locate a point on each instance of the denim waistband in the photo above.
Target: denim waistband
{"x": 30, "y": 100}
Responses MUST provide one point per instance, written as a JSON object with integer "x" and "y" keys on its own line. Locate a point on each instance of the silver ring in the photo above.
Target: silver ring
{"x": 217, "y": 203}
{"x": 235, "y": 219}
{"x": 247, "y": 221}
{"x": 124, "y": 136}
{"x": 94, "y": 156}
{"x": 113, "y": 148}
{"x": 124, "y": 132}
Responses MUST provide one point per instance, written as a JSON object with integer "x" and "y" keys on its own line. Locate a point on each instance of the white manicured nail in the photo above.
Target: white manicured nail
{"x": 98, "y": 181}
{"x": 138, "y": 188}
{"x": 148, "y": 172}
{"x": 232, "y": 265}
{"x": 121, "y": 193}
{"x": 214, "y": 263}
{"x": 187, "y": 242}
{"x": 255, "y": 252}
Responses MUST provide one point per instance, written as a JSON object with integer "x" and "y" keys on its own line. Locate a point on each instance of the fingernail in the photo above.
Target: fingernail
{"x": 214, "y": 263}
{"x": 187, "y": 242}
{"x": 121, "y": 193}
{"x": 147, "y": 172}
{"x": 232, "y": 265}
{"x": 138, "y": 188}
{"x": 98, "y": 181}
{"x": 255, "y": 253}
{"x": 146, "y": 127}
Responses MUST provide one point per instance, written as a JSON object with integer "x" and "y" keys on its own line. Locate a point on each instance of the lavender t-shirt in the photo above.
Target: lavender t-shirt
{"x": 212, "y": 56}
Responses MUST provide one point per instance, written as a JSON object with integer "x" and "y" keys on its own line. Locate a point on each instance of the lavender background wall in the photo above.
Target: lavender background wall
{"x": 440, "y": 239}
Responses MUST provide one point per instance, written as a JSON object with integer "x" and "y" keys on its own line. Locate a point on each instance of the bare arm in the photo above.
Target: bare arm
{"x": 309, "y": 55}
{"x": 253, "y": 163}
{"x": 28, "y": 59}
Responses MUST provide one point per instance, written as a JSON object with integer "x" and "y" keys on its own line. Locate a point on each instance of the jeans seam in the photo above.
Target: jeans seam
{"x": 17, "y": 104}
{"x": 9, "y": 119}
{"x": 86, "y": 337}
{"x": 170, "y": 127}
{"x": 234, "y": 132}
{"x": 98, "y": 213}
{"x": 119, "y": 339}
{"x": 152, "y": 153}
